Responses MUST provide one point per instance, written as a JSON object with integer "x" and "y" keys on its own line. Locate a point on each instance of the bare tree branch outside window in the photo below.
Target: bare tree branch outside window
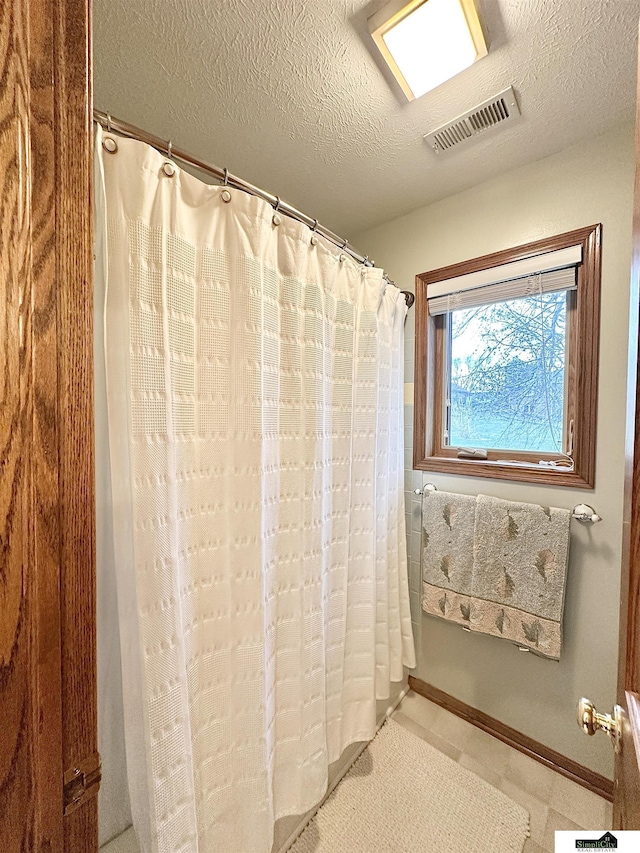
{"x": 508, "y": 374}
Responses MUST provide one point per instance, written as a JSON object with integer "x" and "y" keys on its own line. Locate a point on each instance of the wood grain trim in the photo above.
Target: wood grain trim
{"x": 626, "y": 803}
{"x": 582, "y": 370}
{"x": 506, "y": 256}
{"x": 74, "y": 273}
{"x": 44, "y": 439}
{"x": 588, "y": 355}
{"x": 18, "y": 592}
{"x": 496, "y": 471}
{"x": 47, "y": 506}
{"x": 633, "y": 713}
{"x": 424, "y": 382}
{"x": 545, "y": 755}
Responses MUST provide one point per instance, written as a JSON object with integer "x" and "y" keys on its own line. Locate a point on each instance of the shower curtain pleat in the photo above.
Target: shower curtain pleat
{"x": 254, "y": 388}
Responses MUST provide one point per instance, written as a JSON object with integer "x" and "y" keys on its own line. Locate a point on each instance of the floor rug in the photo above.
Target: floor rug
{"x": 402, "y": 794}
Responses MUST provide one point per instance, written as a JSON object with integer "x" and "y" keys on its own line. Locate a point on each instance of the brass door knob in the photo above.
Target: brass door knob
{"x": 590, "y": 721}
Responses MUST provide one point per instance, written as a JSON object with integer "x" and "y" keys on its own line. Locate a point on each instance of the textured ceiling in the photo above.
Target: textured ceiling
{"x": 291, "y": 95}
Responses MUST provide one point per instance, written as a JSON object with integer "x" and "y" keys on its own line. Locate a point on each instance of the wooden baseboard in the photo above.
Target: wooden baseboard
{"x": 549, "y": 757}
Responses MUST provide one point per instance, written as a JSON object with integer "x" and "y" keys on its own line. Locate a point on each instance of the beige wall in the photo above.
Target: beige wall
{"x": 591, "y": 182}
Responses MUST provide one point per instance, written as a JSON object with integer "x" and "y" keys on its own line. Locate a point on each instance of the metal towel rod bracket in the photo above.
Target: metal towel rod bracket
{"x": 582, "y": 512}
{"x": 428, "y": 487}
{"x": 585, "y": 513}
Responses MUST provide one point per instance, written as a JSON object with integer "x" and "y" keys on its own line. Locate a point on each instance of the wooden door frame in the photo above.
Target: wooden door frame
{"x": 74, "y": 276}
{"x": 48, "y": 678}
{"x": 48, "y": 699}
{"x": 626, "y": 804}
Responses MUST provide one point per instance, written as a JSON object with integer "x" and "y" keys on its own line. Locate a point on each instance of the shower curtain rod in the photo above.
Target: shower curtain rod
{"x": 123, "y": 128}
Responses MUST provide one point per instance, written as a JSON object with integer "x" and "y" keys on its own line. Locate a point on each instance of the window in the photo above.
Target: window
{"x": 505, "y": 375}
{"x": 506, "y": 363}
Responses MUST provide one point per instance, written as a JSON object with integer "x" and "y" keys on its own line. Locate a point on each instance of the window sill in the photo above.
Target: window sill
{"x": 499, "y": 471}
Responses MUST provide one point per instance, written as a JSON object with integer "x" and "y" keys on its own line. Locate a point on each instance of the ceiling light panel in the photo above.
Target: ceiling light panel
{"x": 426, "y": 42}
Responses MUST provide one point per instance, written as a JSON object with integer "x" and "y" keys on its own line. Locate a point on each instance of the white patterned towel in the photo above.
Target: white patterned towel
{"x": 498, "y": 568}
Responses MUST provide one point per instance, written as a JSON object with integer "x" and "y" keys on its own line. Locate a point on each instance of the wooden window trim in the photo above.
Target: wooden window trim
{"x": 582, "y": 370}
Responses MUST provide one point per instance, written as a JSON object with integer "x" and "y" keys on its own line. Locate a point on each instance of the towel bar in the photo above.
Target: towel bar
{"x": 582, "y": 512}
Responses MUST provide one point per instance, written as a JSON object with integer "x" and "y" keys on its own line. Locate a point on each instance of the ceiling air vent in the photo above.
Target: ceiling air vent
{"x": 499, "y": 110}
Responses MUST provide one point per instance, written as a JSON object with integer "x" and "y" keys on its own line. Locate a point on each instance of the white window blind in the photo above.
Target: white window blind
{"x": 548, "y": 273}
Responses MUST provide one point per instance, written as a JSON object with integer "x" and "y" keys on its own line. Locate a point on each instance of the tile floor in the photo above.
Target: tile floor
{"x": 553, "y": 802}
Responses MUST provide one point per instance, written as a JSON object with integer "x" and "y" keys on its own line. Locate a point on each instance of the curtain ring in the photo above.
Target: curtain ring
{"x": 169, "y": 150}
{"x": 277, "y": 204}
{"x": 109, "y": 122}
{"x": 315, "y": 225}
{"x": 344, "y": 245}
{"x": 226, "y": 177}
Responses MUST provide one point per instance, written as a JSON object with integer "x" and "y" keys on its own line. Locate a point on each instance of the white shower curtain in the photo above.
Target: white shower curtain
{"x": 254, "y": 385}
